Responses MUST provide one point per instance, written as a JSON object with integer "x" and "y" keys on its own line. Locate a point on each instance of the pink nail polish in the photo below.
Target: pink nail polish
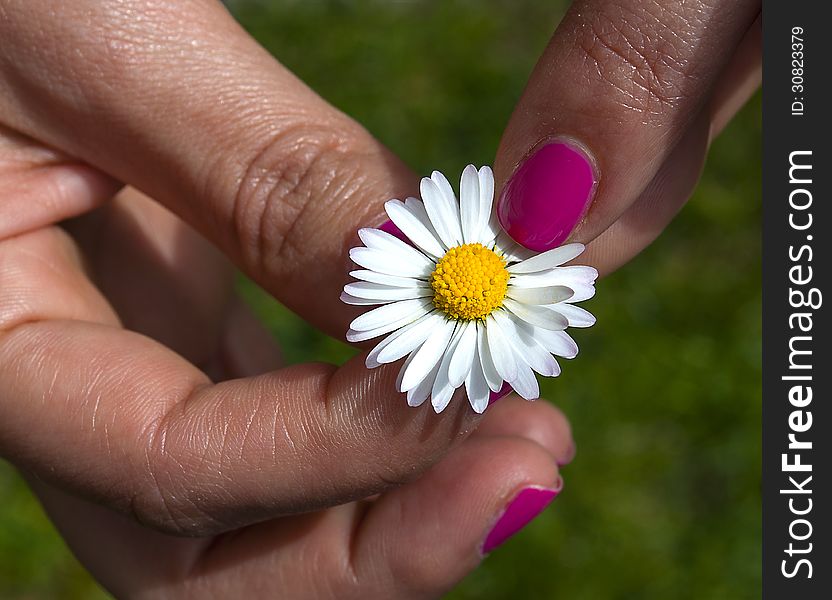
{"x": 547, "y": 196}
{"x": 525, "y": 506}
{"x": 391, "y": 228}
{"x": 502, "y": 393}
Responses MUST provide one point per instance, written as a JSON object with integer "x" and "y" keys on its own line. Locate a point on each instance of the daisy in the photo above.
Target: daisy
{"x": 461, "y": 301}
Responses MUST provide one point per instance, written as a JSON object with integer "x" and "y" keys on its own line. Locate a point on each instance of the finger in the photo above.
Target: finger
{"x": 152, "y": 437}
{"x": 185, "y": 106}
{"x": 292, "y": 557}
{"x": 620, "y": 84}
{"x": 485, "y": 473}
{"x": 40, "y": 185}
{"x": 124, "y": 557}
{"x": 539, "y": 421}
{"x": 415, "y": 542}
{"x": 422, "y": 539}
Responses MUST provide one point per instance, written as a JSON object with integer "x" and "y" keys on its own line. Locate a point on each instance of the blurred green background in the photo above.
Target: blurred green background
{"x": 663, "y": 498}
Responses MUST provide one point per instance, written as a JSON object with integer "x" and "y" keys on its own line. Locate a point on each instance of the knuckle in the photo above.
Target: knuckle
{"x": 271, "y": 210}
{"x": 642, "y": 54}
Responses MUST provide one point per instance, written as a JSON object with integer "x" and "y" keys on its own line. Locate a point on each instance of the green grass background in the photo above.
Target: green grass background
{"x": 663, "y": 498}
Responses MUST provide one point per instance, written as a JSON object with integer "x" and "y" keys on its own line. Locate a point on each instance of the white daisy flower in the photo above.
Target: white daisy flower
{"x": 462, "y": 301}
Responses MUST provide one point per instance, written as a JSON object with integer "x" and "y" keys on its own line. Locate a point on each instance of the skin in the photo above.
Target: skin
{"x": 140, "y": 397}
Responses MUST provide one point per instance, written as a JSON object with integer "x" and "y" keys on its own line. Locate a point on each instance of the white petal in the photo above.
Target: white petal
{"x": 583, "y": 291}
{"x": 476, "y": 387}
{"x": 512, "y": 251}
{"x": 532, "y": 351}
{"x": 549, "y": 259}
{"x": 447, "y": 191}
{"x": 403, "y": 370}
{"x": 390, "y": 313}
{"x": 402, "y": 341}
{"x": 487, "y": 225}
{"x": 427, "y": 356}
{"x": 443, "y": 216}
{"x": 411, "y": 338}
{"x": 464, "y": 355}
{"x": 577, "y": 274}
{"x": 378, "y": 291}
{"x": 391, "y": 264}
{"x": 577, "y": 316}
{"x": 500, "y": 350}
{"x": 371, "y": 362}
{"x": 390, "y": 244}
{"x": 417, "y": 208}
{"x": 558, "y": 343}
{"x": 417, "y": 228}
{"x": 354, "y": 336}
{"x": 541, "y": 295}
{"x": 580, "y": 278}
{"x": 541, "y": 316}
{"x": 420, "y": 393}
{"x": 536, "y": 280}
{"x": 392, "y": 280}
{"x": 569, "y": 276}
{"x": 443, "y": 389}
{"x": 469, "y": 204}
{"x": 525, "y": 383}
{"x": 440, "y": 399}
{"x": 347, "y": 299}
{"x": 491, "y": 232}
{"x": 529, "y": 350}
{"x": 495, "y": 382}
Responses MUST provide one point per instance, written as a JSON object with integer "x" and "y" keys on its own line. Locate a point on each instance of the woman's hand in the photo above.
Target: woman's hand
{"x": 112, "y": 336}
{"x": 416, "y": 540}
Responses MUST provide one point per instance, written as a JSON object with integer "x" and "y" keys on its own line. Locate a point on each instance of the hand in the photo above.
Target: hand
{"x": 234, "y": 145}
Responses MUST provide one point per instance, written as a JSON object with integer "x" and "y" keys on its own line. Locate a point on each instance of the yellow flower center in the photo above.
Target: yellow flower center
{"x": 469, "y": 282}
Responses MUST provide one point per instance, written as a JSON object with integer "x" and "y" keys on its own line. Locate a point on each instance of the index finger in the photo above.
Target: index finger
{"x": 185, "y": 106}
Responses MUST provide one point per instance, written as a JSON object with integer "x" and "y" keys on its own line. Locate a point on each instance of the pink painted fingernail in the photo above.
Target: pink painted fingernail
{"x": 391, "y": 228}
{"x": 525, "y": 506}
{"x": 547, "y": 196}
{"x": 504, "y": 391}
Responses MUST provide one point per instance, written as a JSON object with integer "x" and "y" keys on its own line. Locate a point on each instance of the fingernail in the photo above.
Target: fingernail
{"x": 525, "y": 506}
{"x": 547, "y": 196}
{"x": 500, "y": 394}
{"x": 391, "y": 228}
